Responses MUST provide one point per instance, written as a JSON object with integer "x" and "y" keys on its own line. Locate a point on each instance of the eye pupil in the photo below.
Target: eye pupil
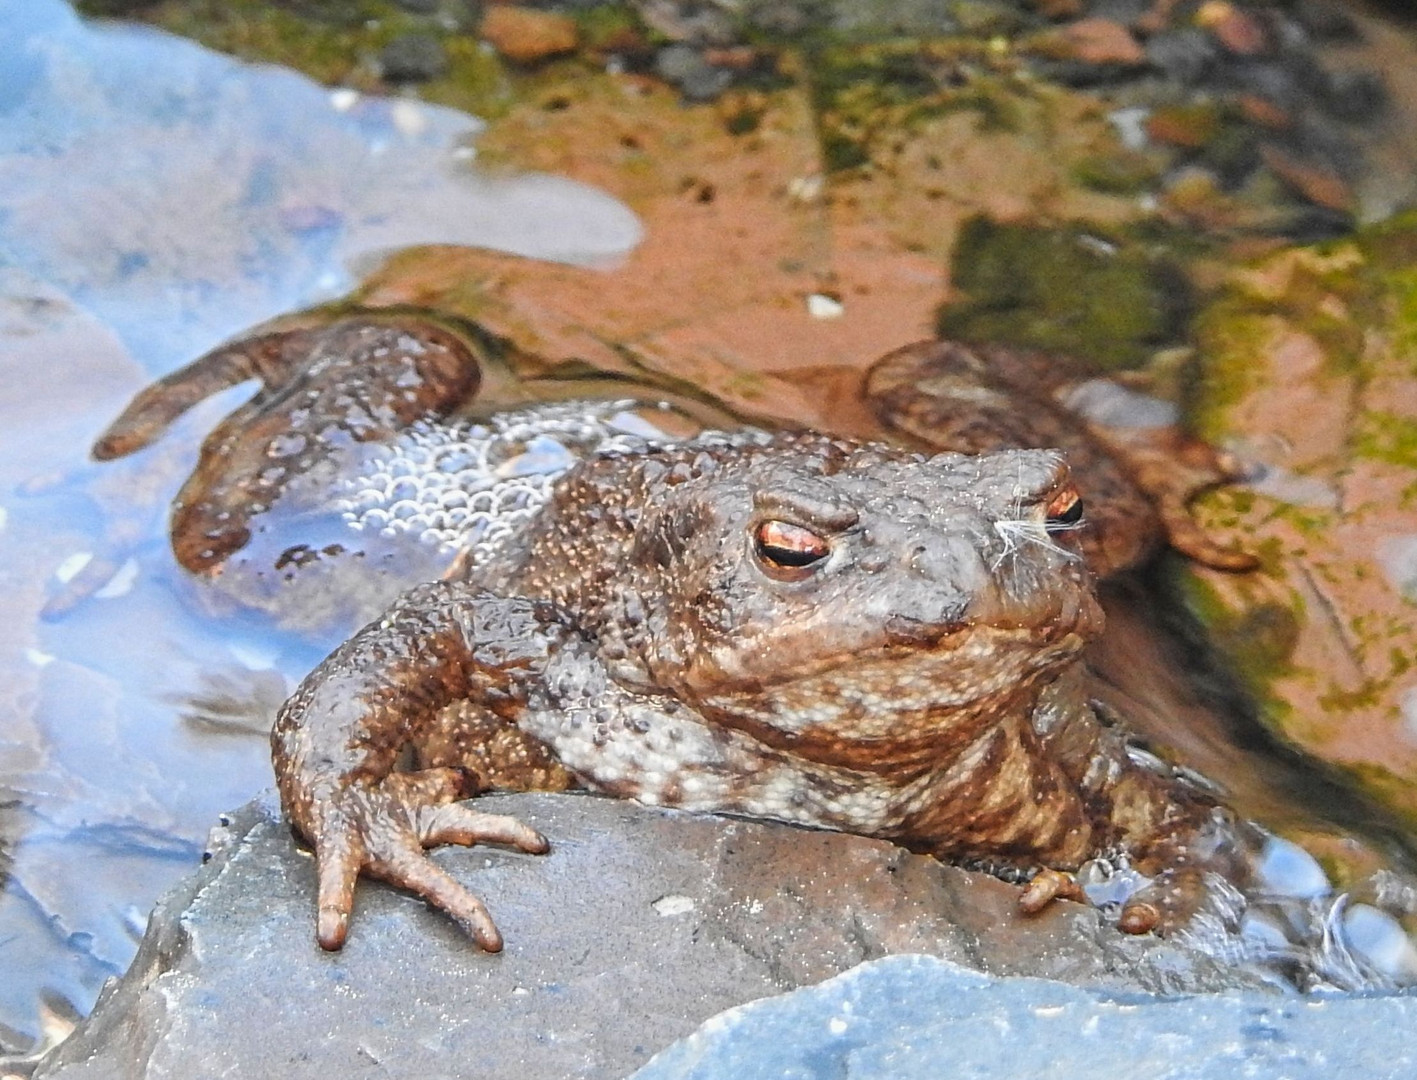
{"x": 782, "y": 545}
{"x": 1065, "y": 510}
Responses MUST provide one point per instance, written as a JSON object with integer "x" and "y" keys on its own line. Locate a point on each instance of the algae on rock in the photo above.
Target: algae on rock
{"x": 1309, "y": 368}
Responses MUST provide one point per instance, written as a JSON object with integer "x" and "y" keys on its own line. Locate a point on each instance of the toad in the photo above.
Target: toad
{"x": 366, "y": 377}
{"x": 817, "y": 631}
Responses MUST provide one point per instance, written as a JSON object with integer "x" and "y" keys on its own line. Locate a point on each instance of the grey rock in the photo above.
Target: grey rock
{"x": 1325, "y": 20}
{"x": 689, "y": 23}
{"x": 637, "y": 927}
{"x": 919, "y": 1018}
{"x": 1122, "y": 11}
{"x": 866, "y": 19}
{"x": 686, "y": 68}
{"x": 1355, "y": 96}
{"x": 413, "y": 58}
{"x": 1186, "y": 55}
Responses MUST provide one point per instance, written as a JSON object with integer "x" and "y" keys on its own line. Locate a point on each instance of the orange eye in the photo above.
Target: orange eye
{"x": 788, "y": 552}
{"x": 1065, "y": 511}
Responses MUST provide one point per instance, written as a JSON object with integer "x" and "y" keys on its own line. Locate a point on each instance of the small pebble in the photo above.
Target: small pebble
{"x": 1286, "y": 869}
{"x": 1324, "y": 20}
{"x": 412, "y": 58}
{"x": 1380, "y": 940}
{"x": 1355, "y": 96}
{"x": 1186, "y": 55}
{"x": 685, "y": 67}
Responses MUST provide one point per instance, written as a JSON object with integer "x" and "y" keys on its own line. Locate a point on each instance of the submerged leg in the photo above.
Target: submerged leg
{"x": 155, "y": 407}
{"x": 323, "y": 391}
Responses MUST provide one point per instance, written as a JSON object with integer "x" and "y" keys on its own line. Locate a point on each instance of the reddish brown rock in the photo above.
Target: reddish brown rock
{"x": 1157, "y": 19}
{"x": 1101, "y": 41}
{"x": 1308, "y": 373}
{"x": 526, "y": 35}
{"x": 1319, "y": 186}
{"x": 1240, "y": 32}
{"x": 1260, "y": 110}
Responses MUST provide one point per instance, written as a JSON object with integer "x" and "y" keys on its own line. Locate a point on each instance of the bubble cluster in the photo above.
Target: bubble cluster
{"x": 469, "y": 485}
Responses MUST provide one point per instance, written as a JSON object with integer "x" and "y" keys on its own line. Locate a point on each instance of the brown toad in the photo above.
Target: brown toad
{"x": 811, "y": 630}
{"x": 367, "y": 377}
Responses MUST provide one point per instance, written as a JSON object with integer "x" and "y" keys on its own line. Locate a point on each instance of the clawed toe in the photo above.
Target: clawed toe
{"x": 1047, "y": 886}
{"x": 382, "y": 833}
{"x": 457, "y": 824}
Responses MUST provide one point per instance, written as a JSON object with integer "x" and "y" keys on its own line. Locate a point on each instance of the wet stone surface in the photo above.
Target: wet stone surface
{"x": 907, "y": 1017}
{"x": 638, "y": 926}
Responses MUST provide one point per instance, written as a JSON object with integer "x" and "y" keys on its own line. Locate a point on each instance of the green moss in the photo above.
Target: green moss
{"x": 476, "y": 81}
{"x": 1258, "y": 640}
{"x": 1119, "y": 173}
{"x": 333, "y": 41}
{"x": 1108, "y": 296}
{"x": 609, "y": 26}
{"x": 324, "y": 41}
{"x": 1335, "y": 297}
{"x": 865, "y": 96}
{"x": 1392, "y": 249}
{"x": 1395, "y": 792}
{"x": 1387, "y": 437}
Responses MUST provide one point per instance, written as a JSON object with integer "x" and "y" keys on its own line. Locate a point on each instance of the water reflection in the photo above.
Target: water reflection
{"x": 158, "y": 198}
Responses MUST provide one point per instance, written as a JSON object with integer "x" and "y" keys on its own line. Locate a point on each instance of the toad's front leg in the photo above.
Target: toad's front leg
{"x": 337, "y": 743}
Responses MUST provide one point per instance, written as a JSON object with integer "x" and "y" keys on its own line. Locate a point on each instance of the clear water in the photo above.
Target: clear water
{"x": 155, "y": 199}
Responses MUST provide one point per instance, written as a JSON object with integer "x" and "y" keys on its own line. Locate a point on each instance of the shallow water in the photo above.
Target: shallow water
{"x": 158, "y": 198}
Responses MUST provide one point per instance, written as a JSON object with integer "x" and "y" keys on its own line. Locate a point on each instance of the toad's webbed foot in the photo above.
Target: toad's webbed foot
{"x": 381, "y": 829}
{"x": 1165, "y": 904}
{"x": 357, "y": 380}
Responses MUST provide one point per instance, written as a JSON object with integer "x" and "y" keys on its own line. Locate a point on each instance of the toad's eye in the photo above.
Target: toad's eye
{"x": 1065, "y": 511}
{"x": 788, "y": 552}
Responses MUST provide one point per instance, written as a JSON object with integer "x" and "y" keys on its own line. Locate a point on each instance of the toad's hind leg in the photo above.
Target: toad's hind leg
{"x": 155, "y": 407}
{"x": 324, "y": 391}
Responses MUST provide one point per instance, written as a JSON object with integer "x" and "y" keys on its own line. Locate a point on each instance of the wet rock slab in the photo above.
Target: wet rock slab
{"x": 908, "y": 1017}
{"x": 640, "y": 925}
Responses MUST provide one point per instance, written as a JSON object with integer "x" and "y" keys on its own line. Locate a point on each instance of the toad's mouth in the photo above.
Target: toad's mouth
{"x": 901, "y": 630}
{"x": 898, "y": 711}
{"x": 804, "y": 653}
{"x": 915, "y": 681}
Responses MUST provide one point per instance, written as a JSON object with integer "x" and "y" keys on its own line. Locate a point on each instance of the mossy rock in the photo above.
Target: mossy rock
{"x": 1309, "y": 369}
{"x": 1110, "y": 296}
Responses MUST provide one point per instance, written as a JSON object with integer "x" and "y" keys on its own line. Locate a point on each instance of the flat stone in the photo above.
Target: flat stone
{"x": 1092, "y": 42}
{"x": 638, "y": 926}
{"x": 526, "y": 35}
{"x": 909, "y": 1017}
